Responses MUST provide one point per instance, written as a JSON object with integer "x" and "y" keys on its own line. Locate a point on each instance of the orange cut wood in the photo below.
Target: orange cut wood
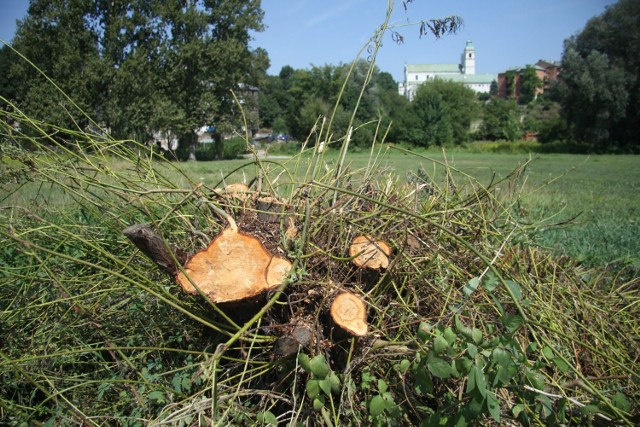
{"x": 369, "y": 253}
{"x": 350, "y": 313}
{"x": 234, "y": 267}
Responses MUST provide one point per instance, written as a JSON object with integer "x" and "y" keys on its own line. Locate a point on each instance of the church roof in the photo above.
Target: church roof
{"x": 432, "y": 68}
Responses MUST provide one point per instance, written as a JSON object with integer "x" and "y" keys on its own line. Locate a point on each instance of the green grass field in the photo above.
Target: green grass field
{"x": 589, "y": 205}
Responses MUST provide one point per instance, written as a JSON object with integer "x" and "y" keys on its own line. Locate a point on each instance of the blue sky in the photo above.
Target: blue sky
{"x": 505, "y": 33}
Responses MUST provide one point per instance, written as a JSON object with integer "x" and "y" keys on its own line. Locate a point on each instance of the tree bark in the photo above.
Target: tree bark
{"x": 151, "y": 244}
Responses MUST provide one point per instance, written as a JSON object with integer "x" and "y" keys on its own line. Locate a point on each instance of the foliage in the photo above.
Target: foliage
{"x": 529, "y": 85}
{"x": 600, "y": 86}
{"x": 136, "y": 67}
{"x": 444, "y": 111}
{"x": 500, "y": 120}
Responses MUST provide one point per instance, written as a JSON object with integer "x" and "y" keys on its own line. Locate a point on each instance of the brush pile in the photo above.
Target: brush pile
{"x": 461, "y": 321}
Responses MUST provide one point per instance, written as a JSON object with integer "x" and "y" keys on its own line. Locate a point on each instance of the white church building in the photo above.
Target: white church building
{"x": 464, "y": 72}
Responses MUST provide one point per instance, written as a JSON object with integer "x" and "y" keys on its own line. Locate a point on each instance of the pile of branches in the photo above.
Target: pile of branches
{"x": 460, "y": 321}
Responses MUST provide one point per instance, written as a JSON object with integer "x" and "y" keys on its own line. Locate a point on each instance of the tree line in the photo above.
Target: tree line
{"x": 136, "y": 67}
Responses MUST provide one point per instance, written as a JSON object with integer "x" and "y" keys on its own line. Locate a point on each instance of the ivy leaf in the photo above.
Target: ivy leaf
{"x": 493, "y": 405}
{"x": 318, "y": 403}
{"x": 377, "y": 406}
{"x": 319, "y": 367}
{"x": 267, "y": 417}
{"x": 490, "y": 283}
{"x": 620, "y": 401}
{"x": 476, "y": 335}
{"x": 325, "y": 386}
{"x": 439, "y": 367}
{"x": 304, "y": 361}
{"x": 512, "y": 322}
{"x": 440, "y": 344}
{"x": 313, "y": 389}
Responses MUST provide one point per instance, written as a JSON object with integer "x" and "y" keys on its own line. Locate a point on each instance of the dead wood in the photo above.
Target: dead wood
{"x": 152, "y": 245}
{"x": 368, "y": 252}
{"x": 350, "y": 313}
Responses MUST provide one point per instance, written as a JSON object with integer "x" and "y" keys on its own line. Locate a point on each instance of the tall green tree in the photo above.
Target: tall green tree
{"x": 137, "y": 66}
{"x": 600, "y": 80}
{"x": 57, "y": 37}
{"x": 529, "y": 85}
{"x": 501, "y": 120}
{"x": 445, "y": 111}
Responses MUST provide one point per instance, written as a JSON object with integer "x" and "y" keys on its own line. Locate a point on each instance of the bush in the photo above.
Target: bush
{"x": 231, "y": 149}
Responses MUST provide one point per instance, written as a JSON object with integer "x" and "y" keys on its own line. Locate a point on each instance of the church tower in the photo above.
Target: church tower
{"x": 468, "y": 60}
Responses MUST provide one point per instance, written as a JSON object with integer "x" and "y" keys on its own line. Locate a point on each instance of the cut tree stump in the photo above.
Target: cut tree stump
{"x": 270, "y": 209}
{"x": 350, "y": 313}
{"x": 233, "y": 268}
{"x": 367, "y": 252}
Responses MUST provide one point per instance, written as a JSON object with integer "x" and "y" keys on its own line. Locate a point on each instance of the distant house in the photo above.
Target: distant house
{"x": 547, "y": 72}
{"x": 464, "y": 72}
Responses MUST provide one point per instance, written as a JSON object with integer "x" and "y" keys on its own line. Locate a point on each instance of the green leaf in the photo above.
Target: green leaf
{"x": 535, "y": 378}
{"x": 304, "y": 361}
{"x": 548, "y": 352}
{"x": 515, "y": 289}
{"x": 439, "y": 367}
{"x": 512, "y": 322}
{"x": 424, "y": 331}
{"x": 476, "y": 335}
{"x": 325, "y": 386}
{"x": 501, "y": 357}
{"x": 463, "y": 365}
{"x": 490, "y": 282}
{"x": 517, "y": 409}
{"x": 450, "y": 335}
{"x": 424, "y": 384}
{"x": 477, "y": 381}
{"x": 440, "y": 344}
{"x": 377, "y": 406}
{"x": 561, "y": 364}
{"x": 318, "y": 403}
{"x": 319, "y": 367}
{"x": 156, "y": 396}
{"x": 493, "y": 405}
{"x": 471, "y": 286}
{"x": 472, "y": 350}
{"x": 334, "y": 381}
{"x": 404, "y": 365}
{"x": 620, "y": 401}
{"x": 313, "y": 389}
{"x": 267, "y": 417}
{"x": 464, "y": 330}
{"x": 382, "y": 386}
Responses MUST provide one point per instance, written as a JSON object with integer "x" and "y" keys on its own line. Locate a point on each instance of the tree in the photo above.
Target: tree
{"x": 138, "y": 66}
{"x": 445, "y": 111}
{"x": 600, "y": 80}
{"x": 529, "y": 85}
{"x": 56, "y": 36}
{"x": 500, "y": 120}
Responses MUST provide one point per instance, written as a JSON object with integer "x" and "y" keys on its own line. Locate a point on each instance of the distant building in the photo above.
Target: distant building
{"x": 464, "y": 72}
{"x": 547, "y": 72}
